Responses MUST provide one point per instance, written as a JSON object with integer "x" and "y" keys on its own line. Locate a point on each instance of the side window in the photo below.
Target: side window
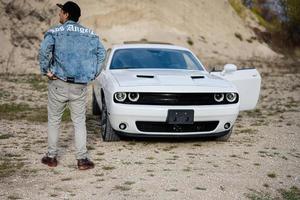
{"x": 104, "y": 65}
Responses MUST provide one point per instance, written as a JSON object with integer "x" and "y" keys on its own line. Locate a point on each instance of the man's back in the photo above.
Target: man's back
{"x": 77, "y": 52}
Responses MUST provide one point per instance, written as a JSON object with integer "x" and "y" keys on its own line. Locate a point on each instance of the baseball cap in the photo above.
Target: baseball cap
{"x": 72, "y": 8}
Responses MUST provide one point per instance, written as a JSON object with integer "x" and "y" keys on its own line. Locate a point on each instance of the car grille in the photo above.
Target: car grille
{"x": 177, "y": 99}
{"x": 176, "y": 128}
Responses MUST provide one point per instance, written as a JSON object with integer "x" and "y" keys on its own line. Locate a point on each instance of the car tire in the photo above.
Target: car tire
{"x": 226, "y": 137}
{"x": 107, "y": 132}
{"x": 96, "y": 109}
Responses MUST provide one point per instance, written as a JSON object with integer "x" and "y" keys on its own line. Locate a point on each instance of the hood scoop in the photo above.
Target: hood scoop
{"x": 197, "y": 77}
{"x": 144, "y": 76}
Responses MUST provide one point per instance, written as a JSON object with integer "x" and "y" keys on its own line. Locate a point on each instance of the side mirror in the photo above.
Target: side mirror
{"x": 229, "y": 68}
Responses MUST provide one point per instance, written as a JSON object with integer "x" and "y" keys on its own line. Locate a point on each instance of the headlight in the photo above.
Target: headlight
{"x": 120, "y": 96}
{"x": 231, "y": 97}
{"x": 219, "y": 97}
{"x": 133, "y": 96}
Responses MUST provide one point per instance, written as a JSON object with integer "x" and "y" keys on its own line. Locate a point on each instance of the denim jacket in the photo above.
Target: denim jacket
{"x": 72, "y": 53}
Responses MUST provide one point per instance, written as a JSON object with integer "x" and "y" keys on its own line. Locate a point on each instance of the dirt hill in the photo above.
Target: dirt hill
{"x": 211, "y": 29}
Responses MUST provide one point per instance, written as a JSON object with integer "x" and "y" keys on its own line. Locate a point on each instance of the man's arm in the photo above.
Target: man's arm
{"x": 101, "y": 52}
{"x": 45, "y": 53}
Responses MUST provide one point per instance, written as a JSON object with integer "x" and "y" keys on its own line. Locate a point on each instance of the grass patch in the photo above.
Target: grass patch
{"x": 200, "y": 188}
{"x": 67, "y": 115}
{"x": 172, "y": 190}
{"x": 238, "y": 36}
{"x": 20, "y": 111}
{"x": 99, "y": 174}
{"x": 132, "y": 143}
{"x": 270, "y": 26}
{"x": 190, "y": 41}
{"x": 13, "y": 108}
{"x": 188, "y": 169}
{"x": 13, "y": 197}
{"x": 238, "y": 7}
{"x": 138, "y": 163}
{"x": 8, "y": 167}
{"x": 266, "y": 185}
{"x": 4, "y": 94}
{"x": 108, "y": 167}
{"x": 36, "y": 81}
{"x": 291, "y": 194}
{"x": 90, "y": 148}
{"x": 14, "y": 111}
{"x": 169, "y": 148}
{"x": 5, "y": 136}
{"x": 255, "y": 195}
{"x": 129, "y": 183}
{"x": 122, "y": 187}
{"x": 272, "y": 175}
{"x": 66, "y": 179}
{"x": 248, "y": 131}
{"x": 150, "y": 158}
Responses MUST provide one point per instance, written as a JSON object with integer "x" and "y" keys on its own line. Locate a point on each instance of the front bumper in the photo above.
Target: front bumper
{"x": 130, "y": 114}
{"x": 172, "y": 136}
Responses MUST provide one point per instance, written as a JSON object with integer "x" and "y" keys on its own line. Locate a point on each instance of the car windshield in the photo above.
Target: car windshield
{"x": 143, "y": 58}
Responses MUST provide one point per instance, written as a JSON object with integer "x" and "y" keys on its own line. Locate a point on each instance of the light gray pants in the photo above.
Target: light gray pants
{"x": 60, "y": 94}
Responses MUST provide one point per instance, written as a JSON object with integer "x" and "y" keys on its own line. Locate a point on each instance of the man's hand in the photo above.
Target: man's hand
{"x": 51, "y": 76}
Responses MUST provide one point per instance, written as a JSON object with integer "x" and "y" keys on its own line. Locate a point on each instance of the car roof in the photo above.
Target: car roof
{"x": 145, "y": 45}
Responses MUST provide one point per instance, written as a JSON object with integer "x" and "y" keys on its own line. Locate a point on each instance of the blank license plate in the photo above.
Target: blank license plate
{"x": 180, "y": 117}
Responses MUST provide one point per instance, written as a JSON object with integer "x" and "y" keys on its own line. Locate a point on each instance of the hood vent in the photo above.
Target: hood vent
{"x": 197, "y": 77}
{"x": 144, "y": 76}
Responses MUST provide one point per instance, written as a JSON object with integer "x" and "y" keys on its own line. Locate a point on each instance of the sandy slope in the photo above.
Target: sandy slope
{"x": 211, "y": 26}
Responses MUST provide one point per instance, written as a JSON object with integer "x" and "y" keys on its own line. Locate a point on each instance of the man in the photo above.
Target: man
{"x": 70, "y": 56}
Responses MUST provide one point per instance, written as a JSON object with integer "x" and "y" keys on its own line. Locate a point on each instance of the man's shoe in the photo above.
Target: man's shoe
{"x": 51, "y": 162}
{"x": 84, "y": 164}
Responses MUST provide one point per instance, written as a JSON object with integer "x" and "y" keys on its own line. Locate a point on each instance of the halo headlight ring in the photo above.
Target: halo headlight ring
{"x": 219, "y": 97}
{"x": 133, "y": 96}
{"x": 120, "y": 96}
{"x": 231, "y": 97}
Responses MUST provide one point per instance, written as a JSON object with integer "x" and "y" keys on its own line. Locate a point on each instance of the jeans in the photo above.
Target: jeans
{"x": 60, "y": 94}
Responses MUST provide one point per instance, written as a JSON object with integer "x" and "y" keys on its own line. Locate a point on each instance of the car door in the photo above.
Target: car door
{"x": 247, "y": 82}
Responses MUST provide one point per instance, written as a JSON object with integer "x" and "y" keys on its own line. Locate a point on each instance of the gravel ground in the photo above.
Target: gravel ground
{"x": 262, "y": 158}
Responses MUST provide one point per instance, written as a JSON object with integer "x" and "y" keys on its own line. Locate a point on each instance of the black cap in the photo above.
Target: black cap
{"x": 72, "y": 8}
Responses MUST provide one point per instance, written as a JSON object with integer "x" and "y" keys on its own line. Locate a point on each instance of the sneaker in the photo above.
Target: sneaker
{"x": 51, "y": 162}
{"x": 84, "y": 164}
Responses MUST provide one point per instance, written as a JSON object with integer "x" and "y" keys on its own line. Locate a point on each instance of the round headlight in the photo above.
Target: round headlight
{"x": 133, "y": 96}
{"x": 219, "y": 97}
{"x": 120, "y": 96}
{"x": 231, "y": 97}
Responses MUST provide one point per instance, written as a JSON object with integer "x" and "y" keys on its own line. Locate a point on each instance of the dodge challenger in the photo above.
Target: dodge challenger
{"x": 163, "y": 90}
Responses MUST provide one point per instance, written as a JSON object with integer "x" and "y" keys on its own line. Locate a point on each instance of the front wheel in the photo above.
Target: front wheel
{"x": 96, "y": 109}
{"x": 107, "y": 132}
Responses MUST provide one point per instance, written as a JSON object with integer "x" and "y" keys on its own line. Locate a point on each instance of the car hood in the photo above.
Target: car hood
{"x": 158, "y": 77}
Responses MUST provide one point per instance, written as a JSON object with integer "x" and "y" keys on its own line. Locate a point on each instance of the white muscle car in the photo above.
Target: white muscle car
{"x": 162, "y": 90}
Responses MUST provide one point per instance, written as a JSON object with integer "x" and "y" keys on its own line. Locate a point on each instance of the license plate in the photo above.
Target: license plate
{"x": 180, "y": 117}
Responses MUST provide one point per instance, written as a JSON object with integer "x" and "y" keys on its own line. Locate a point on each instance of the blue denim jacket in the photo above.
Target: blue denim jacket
{"x": 71, "y": 52}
